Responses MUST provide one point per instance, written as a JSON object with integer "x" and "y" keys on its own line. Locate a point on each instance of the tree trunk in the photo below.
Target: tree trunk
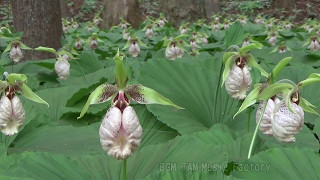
{"x": 127, "y": 9}
{"x": 64, "y": 8}
{"x": 285, "y": 4}
{"x": 177, "y": 11}
{"x": 40, "y": 20}
{"x": 211, "y": 7}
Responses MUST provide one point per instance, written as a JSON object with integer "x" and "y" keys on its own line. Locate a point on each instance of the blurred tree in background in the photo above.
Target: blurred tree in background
{"x": 40, "y": 22}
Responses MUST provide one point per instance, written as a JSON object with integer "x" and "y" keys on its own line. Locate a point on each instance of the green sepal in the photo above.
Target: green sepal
{"x": 250, "y": 99}
{"x": 253, "y": 63}
{"x": 249, "y": 47}
{"x": 29, "y": 94}
{"x": 227, "y": 55}
{"x": 313, "y": 78}
{"x": 62, "y": 52}
{"x": 23, "y": 46}
{"x": 126, "y": 46}
{"x": 13, "y": 78}
{"x": 180, "y": 37}
{"x": 307, "y": 42}
{"x": 3, "y": 85}
{"x": 307, "y": 106}
{"x": 273, "y": 89}
{"x": 288, "y": 100}
{"x": 121, "y": 73}
{"x": 226, "y": 70}
{"x": 8, "y": 48}
{"x": 142, "y": 44}
{"x": 101, "y": 94}
{"x": 45, "y": 49}
{"x": 145, "y": 95}
{"x": 279, "y": 67}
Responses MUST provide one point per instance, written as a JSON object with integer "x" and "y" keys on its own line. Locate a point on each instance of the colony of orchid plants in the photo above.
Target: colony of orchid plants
{"x": 219, "y": 98}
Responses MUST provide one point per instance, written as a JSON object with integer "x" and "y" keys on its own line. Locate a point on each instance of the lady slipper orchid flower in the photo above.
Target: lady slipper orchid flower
{"x": 15, "y": 47}
{"x": 183, "y": 30}
{"x": 74, "y": 25}
{"x": 62, "y": 68}
{"x": 97, "y": 20}
{"x": 149, "y": 32}
{"x": 93, "y": 44}
{"x": 193, "y": 44}
{"x": 216, "y": 26}
{"x": 266, "y": 122}
{"x": 161, "y": 23}
{"x": 78, "y": 44}
{"x": 239, "y": 80}
{"x": 133, "y": 46}
{"x": 125, "y": 35}
{"x": 162, "y": 20}
{"x": 314, "y": 44}
{"x": 65, "y": 28}
{"x": 123, "y": 24}
{"x": 204, "y": 40}
{"x": 273, "y": 39}
{"x": 226, "y": 25}
{"x": 174, "y": 50}
{"x": 246, "y": 42}
{"x": 288, "y": 26}
{"x": 12, "y": 113}
{"x": 120, "y": 131}
{"x": 282, "y": 49}
{"x": 286, "y": 124}
{"x": 93, "y": 41}
{"x": 90, "y": 29}
{"x": 16, "y": 53}
{"x": 194, "y": 35}
{"x": 243, "y": 21}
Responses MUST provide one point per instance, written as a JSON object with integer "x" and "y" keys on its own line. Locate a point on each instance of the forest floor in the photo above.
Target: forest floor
{"x": 84, "y": 10}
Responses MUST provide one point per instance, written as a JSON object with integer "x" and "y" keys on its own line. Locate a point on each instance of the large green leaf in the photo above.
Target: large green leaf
{"x": 71, "y": 140}
{"x": 234, "y": 35}
{"x": 200, "y": 173}
{"x": 192, "y": 86}
{"x": 210, "y": 148}
{"x": 281, "y": 163}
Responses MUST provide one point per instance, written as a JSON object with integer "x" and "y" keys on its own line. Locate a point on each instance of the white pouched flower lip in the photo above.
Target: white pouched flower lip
{"x": 12, "y": 115}
{"x": 120, "y": 132}
{"x": 16, "y": 53}
{"x": 286, "y": 124}
{"x": 134, "y": 49}
{"x": 238, "y": 81}
{"x": 174, "y": 52}
{"x": 62, "y": 68}
{"x": 266, "y": 122}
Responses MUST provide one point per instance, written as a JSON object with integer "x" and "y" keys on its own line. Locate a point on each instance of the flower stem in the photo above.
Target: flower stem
{"x": 249, "y": 117}
{"x": 124, "y": 169}
{"x": 256, "y": 130}
{"x": 216, "y": 97}
{"x": 84, "y": 75}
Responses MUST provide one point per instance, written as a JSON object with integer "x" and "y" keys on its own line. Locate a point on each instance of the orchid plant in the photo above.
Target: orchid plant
{"x": 12, "y": 113}
{"x": 120, "y": 132}
{"x": 283, "y": 115}
{"x": 238, "y": 80}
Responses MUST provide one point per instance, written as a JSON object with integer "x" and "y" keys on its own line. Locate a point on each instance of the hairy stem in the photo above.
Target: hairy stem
{"x": 256, "y": 130}
{"x": 124, "y": 169}
{"x": 216, "y": 97}
{"x": 249, "y": 117}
